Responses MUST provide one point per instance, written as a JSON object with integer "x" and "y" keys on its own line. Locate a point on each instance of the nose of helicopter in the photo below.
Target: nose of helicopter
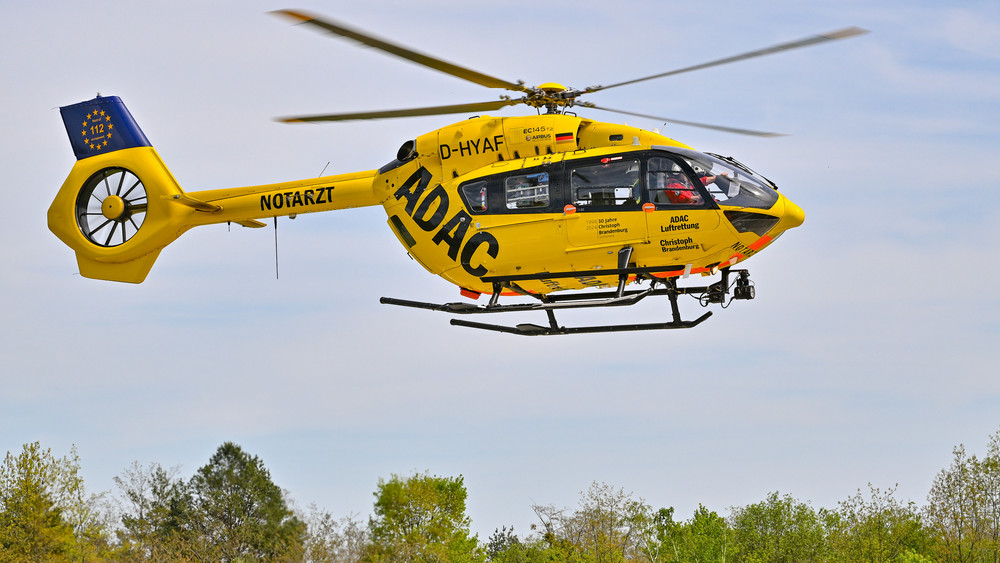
{"x": 792, "y": 217}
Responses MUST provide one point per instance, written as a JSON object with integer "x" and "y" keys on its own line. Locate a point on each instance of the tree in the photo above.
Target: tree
{"x": 609, "y": 527}
{"x": 710, "y": 538}
{"x": 330, "y": 540}
{"x": 32, "y": 526}
{"x": 422, "y": 519}
{"x": 963, "y": 507}
{"x": 987, "y": 474}
{"x": 876, "y": 529}
{"x": 951, "y": 510}
{"x": 157, "y": 516}
{"x": 667, "y": 541}
{"x": 45, "y": 512}
{"x": 239, "y": 513}
{"x": 777, "y": 530}
{"x": 705, "y": 538}
{"x": 230, "y": 510}
{"x": 500, "y": 543}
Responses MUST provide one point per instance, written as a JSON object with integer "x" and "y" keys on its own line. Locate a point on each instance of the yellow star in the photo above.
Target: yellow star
{"x": 83, "y": 133}
{"x": 84, "y": 123}
{"x": 105, "y": 143}
{"x": 85, "y": 141}
{"x": 102, "y": 112}
{"x": 109, "y": 136}
{"x": 91, "y": 145}
{"x": 111, "y": 126}
{"x": 108, "y": 118}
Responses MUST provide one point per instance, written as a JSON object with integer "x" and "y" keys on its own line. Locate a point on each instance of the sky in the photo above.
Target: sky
{"x": 868, "y": 354}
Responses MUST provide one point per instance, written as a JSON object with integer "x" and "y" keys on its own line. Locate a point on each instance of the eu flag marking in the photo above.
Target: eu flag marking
{"x": 105, "y": 126}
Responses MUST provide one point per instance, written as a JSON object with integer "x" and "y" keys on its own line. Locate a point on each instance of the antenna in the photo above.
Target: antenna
{"x": 276, "y": 247}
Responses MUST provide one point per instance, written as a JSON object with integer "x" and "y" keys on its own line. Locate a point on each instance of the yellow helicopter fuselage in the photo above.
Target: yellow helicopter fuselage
{"x": 491, "y": 197}
{"x": 529, "y": 205}
{"x": 484, "y": 197}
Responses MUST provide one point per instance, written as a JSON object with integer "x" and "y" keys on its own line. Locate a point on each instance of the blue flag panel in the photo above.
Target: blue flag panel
{"x": 100, "y": 126}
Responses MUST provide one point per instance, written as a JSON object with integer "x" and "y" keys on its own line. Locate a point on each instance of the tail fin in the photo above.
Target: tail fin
{"x": 120, "y": 205}
{"x": 114, "y": 192}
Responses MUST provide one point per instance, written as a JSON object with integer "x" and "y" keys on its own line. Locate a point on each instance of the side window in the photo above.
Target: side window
{"x": 612, "y": 182}
{"x": 527, "y": 190}
{"x": 668, "y": 184}
{"x": 475, "y": 195}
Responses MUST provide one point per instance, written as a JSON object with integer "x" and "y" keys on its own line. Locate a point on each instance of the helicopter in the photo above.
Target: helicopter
{"x": 555, "y": 210}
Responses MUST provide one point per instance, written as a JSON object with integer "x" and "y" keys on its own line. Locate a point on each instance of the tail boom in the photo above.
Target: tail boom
{"x": 120, "y": 205}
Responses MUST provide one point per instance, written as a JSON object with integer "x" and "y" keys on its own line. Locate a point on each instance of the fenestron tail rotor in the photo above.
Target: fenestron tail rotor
{"x": 111, "y": 206}
{"x": 555, "y": 98}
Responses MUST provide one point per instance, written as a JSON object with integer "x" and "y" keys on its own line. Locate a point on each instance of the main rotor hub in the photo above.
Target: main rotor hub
{"x": 552, "y": 88}
{"x": 551, "y": 96}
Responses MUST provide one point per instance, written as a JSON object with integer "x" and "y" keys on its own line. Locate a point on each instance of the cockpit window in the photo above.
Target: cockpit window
{"x": 612, "y": 182}
{"x": 730, "y": 184}
{"x": 669, "y": 184}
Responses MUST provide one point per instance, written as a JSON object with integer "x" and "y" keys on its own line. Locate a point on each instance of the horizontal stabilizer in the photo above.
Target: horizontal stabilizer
{"x": 195, "y": 203}
{"x": 251, "y": 223}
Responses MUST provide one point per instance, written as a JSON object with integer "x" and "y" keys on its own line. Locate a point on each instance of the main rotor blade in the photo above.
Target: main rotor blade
{"x": 400, "y": 51}
{"x": 738, "y": 131}
{"x": 437, "y": 110}
{"x": 813, "y": 40}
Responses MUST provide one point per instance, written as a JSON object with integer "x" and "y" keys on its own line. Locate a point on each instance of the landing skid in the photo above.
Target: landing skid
{"x": 715, "y": 293}
{"x": 550, "y": 304}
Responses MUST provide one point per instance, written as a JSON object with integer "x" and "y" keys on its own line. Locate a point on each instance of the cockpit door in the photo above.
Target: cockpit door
{"x": 681, "y": 215}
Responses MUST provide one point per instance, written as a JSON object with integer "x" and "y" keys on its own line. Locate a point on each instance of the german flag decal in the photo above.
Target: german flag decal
{"x": 564, "y": 137}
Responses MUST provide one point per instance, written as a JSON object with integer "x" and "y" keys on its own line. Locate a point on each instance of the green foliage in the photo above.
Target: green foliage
{"x": 609, "y": 527}
{"x": 422, "y": 519}
{"x": 711, "y": 539}
{"x": 505, "y": 547}
{"x": 706, "y": 537}
{"x": 333, "y": 540}
{"x": 963, "y": 508}
{"x": 502, "y": 541}
{"x": 157, "y": 520}
{"x": 230, "y": 510}
{"x": 45, "y": 513}
{"x": 877, "y": 529}
{"x": 778, "y": 530}
{"x": 241, "y": 512}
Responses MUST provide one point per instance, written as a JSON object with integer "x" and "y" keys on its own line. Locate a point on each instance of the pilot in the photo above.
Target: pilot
{"x": 680, "y": 191}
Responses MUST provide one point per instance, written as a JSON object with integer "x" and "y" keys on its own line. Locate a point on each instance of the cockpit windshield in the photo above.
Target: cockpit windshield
{"x": 728, "y": 182}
